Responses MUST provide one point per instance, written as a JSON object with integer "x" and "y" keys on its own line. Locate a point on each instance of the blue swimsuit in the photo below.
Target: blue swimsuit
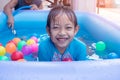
{"x": 75, "y": 51}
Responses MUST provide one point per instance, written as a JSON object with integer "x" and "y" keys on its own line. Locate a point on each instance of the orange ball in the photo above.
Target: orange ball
{"x": 16, "y": 40}
{"x": 21, "y": 60}
{"x": 10, "y": 47}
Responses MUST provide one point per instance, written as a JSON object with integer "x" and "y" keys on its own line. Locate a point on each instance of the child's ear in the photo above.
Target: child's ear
{"x": 76, "y": 29}
{"x": 48, "y": 30}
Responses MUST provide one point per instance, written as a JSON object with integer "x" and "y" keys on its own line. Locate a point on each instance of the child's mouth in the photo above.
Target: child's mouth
{"x": 62, "y": 40}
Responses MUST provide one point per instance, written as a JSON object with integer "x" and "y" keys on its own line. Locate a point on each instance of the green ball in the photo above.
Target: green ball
{"x": 4, "y": 58}
{"x": 100, "y": 46}
{"x": 21, "y": 44}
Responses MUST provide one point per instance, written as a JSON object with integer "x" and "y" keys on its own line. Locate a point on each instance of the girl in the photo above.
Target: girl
{"x": 61, "y": 45}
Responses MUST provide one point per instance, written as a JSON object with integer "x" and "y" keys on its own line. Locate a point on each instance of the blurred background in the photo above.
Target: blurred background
{"x": 109, "y": 9}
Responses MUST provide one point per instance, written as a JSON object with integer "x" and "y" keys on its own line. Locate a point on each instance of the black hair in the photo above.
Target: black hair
{"x": 61, "y": 9}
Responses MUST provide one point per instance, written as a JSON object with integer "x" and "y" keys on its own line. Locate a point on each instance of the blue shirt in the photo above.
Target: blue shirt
{"x": 22, "y": 3}
{"x": 75, "y": 51}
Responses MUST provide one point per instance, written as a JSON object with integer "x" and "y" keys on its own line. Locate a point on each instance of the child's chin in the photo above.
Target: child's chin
{"x": 62, "y": 45}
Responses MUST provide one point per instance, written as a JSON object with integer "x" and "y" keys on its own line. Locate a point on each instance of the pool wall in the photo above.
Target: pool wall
{"x": 93, "y": 28}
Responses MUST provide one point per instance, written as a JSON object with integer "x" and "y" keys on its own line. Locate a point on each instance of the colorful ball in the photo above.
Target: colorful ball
{"x": 16, "y": 40}
{"x": 4, "y": 58}
{"x": 100, "y": 46}
{"x": 2, "y": 51}
{"x": 30, "y": 41}
{"x": 67, "y": 59}
{"x": 34, "y": 48}
{"x": 26, "y": 49}
{"x": 17, "y": 55}
{"x": 21, "y": 44}
{"x": 0, "y": 44}
{"x": 34, "y": 38}
{"x": 21, "y": 60}
{"x": 10, "y": 47}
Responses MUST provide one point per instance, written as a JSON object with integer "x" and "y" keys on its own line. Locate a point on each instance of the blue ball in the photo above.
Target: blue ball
{"x": 112, "y": 55}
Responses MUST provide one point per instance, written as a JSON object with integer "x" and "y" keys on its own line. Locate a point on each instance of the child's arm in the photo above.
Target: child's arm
{"x": 82, "y": 52}
{"x": 8, "y": 11}
{"x": 43, "y": 53}
{"x": 83, "y": 55}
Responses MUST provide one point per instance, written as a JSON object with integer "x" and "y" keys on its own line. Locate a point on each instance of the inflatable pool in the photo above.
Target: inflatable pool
{"x": 93, "y": 28}
{"x": 83, "y": 70}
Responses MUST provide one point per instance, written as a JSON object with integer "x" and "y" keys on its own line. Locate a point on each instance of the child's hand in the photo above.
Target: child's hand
{"x": 10, "y": 22}
{"x": 34, "y": 7}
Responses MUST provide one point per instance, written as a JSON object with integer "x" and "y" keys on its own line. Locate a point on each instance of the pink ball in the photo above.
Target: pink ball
{"x": 34, "y": 48}
{"x": 34, "y": 38}
{"x": 67, "y": 59}
{"x": 26, "y": 49}
{"x": 0, "y": 44}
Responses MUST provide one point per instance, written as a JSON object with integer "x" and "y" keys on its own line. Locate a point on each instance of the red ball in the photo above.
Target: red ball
{"x": 17, "y": 55}
{"x": 0, "y": 44}
{"x": 67, "y": 59}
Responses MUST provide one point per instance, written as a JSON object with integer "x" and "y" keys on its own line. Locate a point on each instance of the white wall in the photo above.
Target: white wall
{"x": 84, "y": 5}
{"x": 117, "y": 1}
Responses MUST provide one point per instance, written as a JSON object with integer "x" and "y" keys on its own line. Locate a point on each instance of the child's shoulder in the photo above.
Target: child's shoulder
{"x": 44, "y": 41}
{"x": 78, "y": 42}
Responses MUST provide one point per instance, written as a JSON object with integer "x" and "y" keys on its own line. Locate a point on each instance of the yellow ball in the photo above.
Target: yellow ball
{"x": 2, "y": 51}
{"x": 30, "y": 41}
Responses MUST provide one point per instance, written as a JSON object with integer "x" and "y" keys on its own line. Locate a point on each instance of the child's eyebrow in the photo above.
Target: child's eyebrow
{"x": 56, "y": 24}
{"x": 67, "y": 24}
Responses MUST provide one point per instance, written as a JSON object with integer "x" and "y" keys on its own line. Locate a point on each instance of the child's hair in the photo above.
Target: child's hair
{"x": 61, "y": 9}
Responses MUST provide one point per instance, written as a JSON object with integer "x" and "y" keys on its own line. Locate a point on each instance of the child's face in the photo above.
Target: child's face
{"x": 62, "y": 31}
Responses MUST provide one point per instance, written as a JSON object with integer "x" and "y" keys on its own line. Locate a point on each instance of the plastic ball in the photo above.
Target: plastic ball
{"x": 26, "y": 49}
{"x": 112, "y": 55}
{"x": 21, "y": 60}
{"x": 100, "y": 46}
{"x": 34, "y": 38}
{"x": 4, "y": 58}
{"x": 30, "y": 41}
{"x": 10, "y": 47}
{"x": 16, "y": 40}
{"x": 67, "y": 59}
{"x": 34, "y": 48}
{"x": 0, "y": 44}
{"x": 2, "y": 51}
{"x": 17, "y": 55}
{"x": 21, "y": 44}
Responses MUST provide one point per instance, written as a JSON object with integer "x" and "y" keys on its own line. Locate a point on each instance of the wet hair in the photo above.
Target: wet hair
{"x": 58, "y": 10}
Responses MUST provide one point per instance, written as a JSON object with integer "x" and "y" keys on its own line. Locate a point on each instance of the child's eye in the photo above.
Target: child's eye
{"x": 55, "y": 27}
{"x": 69, "y": 28}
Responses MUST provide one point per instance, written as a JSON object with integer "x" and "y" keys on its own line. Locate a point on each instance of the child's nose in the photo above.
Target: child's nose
{"x": 62, "y": 32}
